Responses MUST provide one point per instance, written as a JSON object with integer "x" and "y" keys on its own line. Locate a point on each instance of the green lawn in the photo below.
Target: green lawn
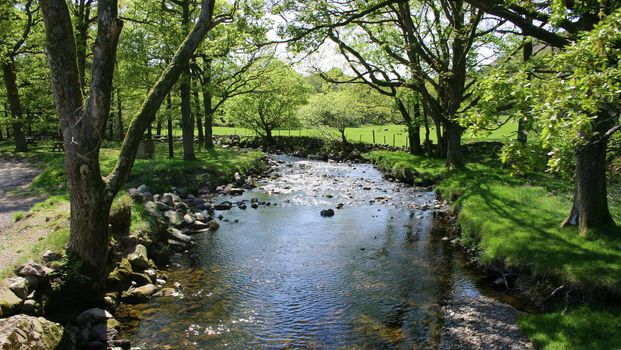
{"x": 516, "y": 221}
{"x": 389, "y": 134}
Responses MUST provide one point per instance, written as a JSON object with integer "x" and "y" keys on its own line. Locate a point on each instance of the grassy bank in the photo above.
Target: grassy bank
{"x": 516, "y": 221}
{"x": 49, "y": 219}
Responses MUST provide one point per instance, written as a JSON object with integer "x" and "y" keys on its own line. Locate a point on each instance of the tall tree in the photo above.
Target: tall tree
{"x": 83, "y": 121}
{"x": 560, "y": 24}
{"x": 274, "y": 104}
{"x": 19, "y": 22}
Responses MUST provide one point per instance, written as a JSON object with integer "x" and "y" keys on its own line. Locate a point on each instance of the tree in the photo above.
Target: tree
{"x": 274, "y": 103}
{"x": 333, "y": 110}
{"x": 590, "y": 116}
{"x": 226, "y": 58}
{"x": 84, "y": 119}
{"x": 20, "y": 20}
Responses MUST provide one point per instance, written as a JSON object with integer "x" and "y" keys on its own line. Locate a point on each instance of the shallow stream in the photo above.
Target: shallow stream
{"x": 373, "y": 276}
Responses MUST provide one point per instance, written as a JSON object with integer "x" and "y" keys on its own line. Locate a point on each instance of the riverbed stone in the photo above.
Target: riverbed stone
{"x": 138, "y": 259}
{"x": 178, "y": 235}
{"x": 163, "y": 206}
{"x": 236, "y": 191}
{"x": 18, "y": 285}
{"x": 174, "y": 217}
{"x": 327, "y": 213}
{"x": 32, "y": 269}
{"x": 139, "y": 294}
{"x": 119, "y": 277}
{"x": 213, "y": 225}
{"x": 223, "y": 206}
{"x": 34, "y": 333}
{"x": 29, "y": 307}
{"x": 167, "y": 198}
{"x": 49, "y": 256}
{"x": 93, "y": 316}
{"x": 9, "y": 302}
{"x": 189, "y": 219}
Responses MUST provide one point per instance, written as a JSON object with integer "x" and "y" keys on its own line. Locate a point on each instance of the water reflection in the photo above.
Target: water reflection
{"x": 371, "y": 277}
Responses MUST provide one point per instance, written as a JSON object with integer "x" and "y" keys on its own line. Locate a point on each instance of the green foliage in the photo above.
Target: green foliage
{"x": 585, "y": 327}
{"x": 280, "y": 92}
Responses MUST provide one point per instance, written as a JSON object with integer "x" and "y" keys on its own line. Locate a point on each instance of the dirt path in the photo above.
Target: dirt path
{"x": 481, "y": 323}
{"x": 15, "y": 176}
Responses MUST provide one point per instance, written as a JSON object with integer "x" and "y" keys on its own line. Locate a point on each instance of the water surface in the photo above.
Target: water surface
{"x": 373, "y": 276}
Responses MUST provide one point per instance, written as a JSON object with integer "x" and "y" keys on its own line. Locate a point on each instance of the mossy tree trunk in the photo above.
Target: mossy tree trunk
{"x": 82, "y": 122}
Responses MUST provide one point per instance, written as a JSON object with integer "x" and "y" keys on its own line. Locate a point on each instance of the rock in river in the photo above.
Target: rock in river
{"x": 327, "y": 212}
{"x": 138, "y": 295}
{"x": 27, "y": 332}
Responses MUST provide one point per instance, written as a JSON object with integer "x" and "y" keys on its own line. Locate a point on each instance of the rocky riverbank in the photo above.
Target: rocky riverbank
{"x": 46, "y": 291}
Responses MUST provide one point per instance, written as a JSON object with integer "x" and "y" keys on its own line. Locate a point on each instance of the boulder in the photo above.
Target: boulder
{"x": 167, "y": 198}
{"x": 138, "y": 259}
{"x": 29, "y": 307}
{"x": 139, "y": 295}
{"x": 140, "y": 279}
{"x": 327, "y": 213}
{"x": 163, "y": 206}
{"x": 49, "y": 256}
{"x": 189, "y": 219}
{"x": 213, "y": 226}
{"x": 9, "y": 302}
{"x": 18, "y": 285}
{"x": 236, "y": 191}
{"x": 201, "y": 217}
{"x": 32, "y": 269}
{"x": 143, "y": 188}
{"x": 199, "y": 225}
{"x": 34, "y": 333}
{"x": 223, "y": 206}
{"x": 136, "y": 195}
{"x": 119, "y": 277}
{"x": 93, "y": 316}
{"x": 102, "y": 333}
{"x": 174, "y": 217}
{"x": 178, "y": 235}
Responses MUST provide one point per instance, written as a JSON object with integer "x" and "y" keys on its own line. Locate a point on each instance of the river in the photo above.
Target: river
{"x": 373, "y": 276}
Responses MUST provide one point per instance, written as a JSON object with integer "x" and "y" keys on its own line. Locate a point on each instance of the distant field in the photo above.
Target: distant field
{"x": 393, "y": 135}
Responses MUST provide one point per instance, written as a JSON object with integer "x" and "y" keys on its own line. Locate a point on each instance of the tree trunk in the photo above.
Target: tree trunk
{"x": 441, "y": 151}
{"x": 428, "y": 144}
{"x": 197, "y": 113}
{"x": 269, "y": 139}
{"x": 111, "y": 128}
{"x": 158, "y": 128}
{"x": 412, "y": 126}
{"x": 83, "y": 123}
{"x": 171, "y": 150}
{"x": 185, "y": 86}
{"x": 590, "y": 203}
{"x": 187, "y": 125}
{"x": 119, "y": 132}
{"x": 207, "y": 104}
{"x": 82, "y": 15}
{"x": 454, "y": 156}
{"x": 10, "y": 82}
{"x": 1, "y": 135}
{"x": 522, "y": 135}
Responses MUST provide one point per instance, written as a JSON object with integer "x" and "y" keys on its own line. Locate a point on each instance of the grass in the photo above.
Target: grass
{"x": 388, "y": 134}
{"x": 516, "y": 221}
{"x": 161, "y": 174}
{"x": 584, "y": 328}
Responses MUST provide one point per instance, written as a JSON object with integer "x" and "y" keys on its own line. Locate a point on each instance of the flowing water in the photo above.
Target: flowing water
{"x": 373, "y": 276}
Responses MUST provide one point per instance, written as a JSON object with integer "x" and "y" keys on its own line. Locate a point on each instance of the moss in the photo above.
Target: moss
{"x": 121, "y": 216}
{"x": 119, "y": 277}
